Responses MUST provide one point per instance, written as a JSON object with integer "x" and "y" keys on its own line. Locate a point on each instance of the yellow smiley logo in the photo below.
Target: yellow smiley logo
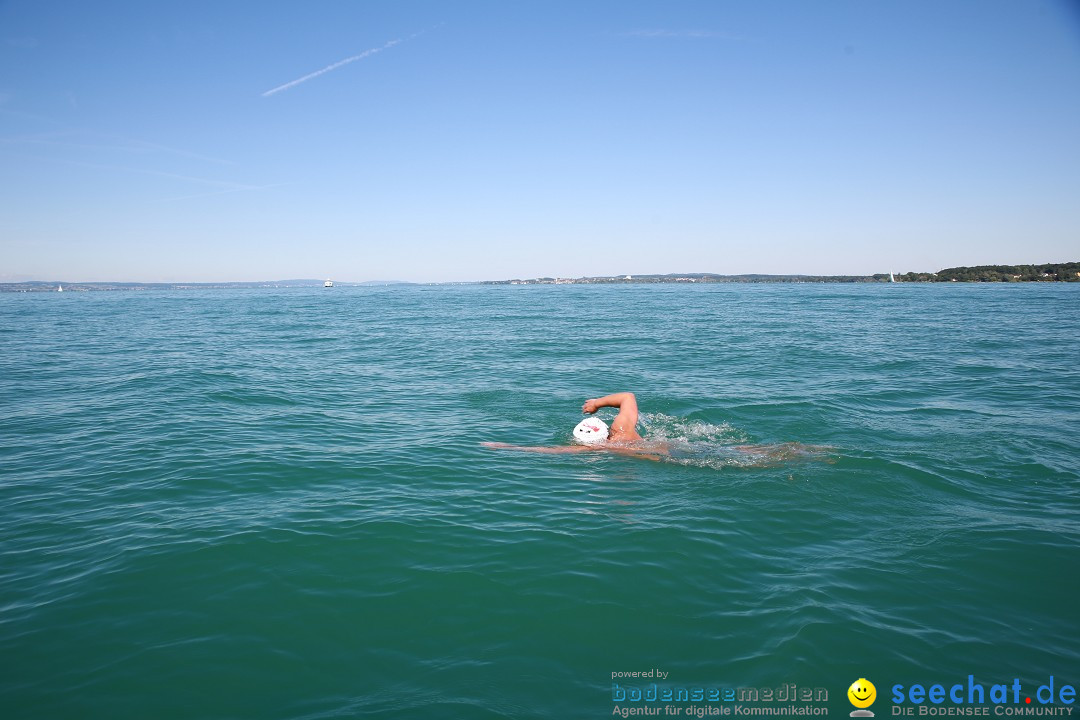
{"x": 862, "y": 693}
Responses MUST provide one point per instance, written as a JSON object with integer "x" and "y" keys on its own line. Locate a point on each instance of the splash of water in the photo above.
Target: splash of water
{"x": 678, "y": 430}
{"x": 700, "y": 444}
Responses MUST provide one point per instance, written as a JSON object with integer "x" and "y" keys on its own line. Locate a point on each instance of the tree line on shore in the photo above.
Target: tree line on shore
{"x": 1049, "y": 272}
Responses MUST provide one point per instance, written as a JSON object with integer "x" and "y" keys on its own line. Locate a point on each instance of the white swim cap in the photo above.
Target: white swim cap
{"x": 591, "y": 430}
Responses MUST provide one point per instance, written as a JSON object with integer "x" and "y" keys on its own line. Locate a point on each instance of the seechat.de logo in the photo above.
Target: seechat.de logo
{"x": 862, "y": 694}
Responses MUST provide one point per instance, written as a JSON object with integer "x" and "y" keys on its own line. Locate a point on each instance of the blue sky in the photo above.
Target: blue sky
{"x": 488, "y": 140}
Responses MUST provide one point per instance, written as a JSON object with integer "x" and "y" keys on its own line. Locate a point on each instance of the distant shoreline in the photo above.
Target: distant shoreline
{"x": 1050, "y": 272}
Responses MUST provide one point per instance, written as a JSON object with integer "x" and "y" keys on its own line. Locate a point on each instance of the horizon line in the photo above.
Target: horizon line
{"x": 624, "y": 277}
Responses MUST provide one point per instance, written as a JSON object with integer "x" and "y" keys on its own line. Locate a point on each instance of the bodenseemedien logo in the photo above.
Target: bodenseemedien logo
{"x": 862, "y": 694}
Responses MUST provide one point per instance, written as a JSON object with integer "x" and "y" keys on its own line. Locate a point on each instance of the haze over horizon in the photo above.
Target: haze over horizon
{"x": 17, "y": 280}
{"x": 435, "y": 143}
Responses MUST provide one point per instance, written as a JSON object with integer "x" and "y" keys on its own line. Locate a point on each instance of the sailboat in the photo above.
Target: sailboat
{"x": 59, "y": 288}
{"x": 891, "y": 278}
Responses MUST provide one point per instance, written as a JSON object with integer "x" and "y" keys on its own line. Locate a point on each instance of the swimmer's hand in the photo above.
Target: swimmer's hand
{"x": 591, "y": 406}
{"x": 496, "y": 445}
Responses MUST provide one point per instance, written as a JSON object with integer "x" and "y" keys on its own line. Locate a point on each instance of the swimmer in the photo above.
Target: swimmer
{"x": 594, "y": 434}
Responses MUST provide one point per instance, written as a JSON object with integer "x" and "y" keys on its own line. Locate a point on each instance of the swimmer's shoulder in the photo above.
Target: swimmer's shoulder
{"x": 625, "y": 437}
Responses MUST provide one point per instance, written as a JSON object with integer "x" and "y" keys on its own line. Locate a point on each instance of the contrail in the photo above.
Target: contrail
{"x": 328, "y": 68}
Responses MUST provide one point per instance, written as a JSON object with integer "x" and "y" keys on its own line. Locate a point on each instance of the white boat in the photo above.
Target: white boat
{"x": 328, "y": 283}
{"x": 891, "y": 278}
{"x": 59, "y": 288}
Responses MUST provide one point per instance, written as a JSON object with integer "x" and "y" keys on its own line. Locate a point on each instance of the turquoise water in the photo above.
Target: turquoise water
{"x": 275, "y": 504}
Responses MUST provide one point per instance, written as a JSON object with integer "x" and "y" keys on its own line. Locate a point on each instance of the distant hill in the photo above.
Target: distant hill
{"x": 1050, "y": 272}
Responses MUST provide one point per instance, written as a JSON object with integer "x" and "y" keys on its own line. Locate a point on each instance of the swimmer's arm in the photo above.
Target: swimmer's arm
{"x": 623, "y": 401}
{"x": 554, "y": 449}
{"x": 654, "y": 455}
{"x": 626, "y": 420}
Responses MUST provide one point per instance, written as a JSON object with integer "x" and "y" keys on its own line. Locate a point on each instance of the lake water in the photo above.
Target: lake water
{"x": 275, "y": 503}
